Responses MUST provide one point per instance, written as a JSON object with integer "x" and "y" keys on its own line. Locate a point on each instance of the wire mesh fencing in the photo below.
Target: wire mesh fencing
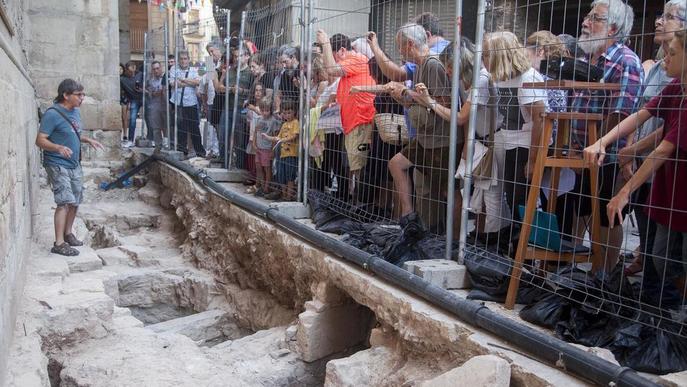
{"x": 155, "y": 95}
{"x": 265, "y": 135}
{"x": 570, "y": 210}
{"x": 539, "y": 143}
{"x": 196, "y": 62}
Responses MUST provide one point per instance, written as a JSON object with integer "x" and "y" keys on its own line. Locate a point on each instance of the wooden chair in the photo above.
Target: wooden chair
{"x": 557, "y": 161}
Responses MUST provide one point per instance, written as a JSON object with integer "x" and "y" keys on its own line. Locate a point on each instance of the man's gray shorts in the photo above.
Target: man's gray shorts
{"x": 67, "y": 184}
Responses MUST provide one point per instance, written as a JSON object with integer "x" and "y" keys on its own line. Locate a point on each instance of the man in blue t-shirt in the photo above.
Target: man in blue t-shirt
{"x": 59, "y": 137}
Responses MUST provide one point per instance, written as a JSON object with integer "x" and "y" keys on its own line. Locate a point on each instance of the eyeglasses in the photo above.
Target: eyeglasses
{"x": 80, "y": 94}
{"x": 596, "y": 18}
{"x": 670, "y": 17}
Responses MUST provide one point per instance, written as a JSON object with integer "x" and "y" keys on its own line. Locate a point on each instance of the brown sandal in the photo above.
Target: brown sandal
{"x": 64, "y": 249}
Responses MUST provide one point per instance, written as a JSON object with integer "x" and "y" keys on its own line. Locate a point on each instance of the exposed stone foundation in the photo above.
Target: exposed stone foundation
{"x": 414, "y": 341}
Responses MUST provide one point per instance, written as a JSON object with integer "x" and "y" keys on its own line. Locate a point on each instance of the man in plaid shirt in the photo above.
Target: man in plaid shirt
{"x": 604, "y": 30}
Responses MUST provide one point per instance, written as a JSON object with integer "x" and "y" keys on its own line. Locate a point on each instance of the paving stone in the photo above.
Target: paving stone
{"x": 113, "y": 256}
{"x": 202, "y": 327}
{"x": 440, "y": 272}
{"x": 365, "y": 368}
{"x": 487, "y": 370}
{"x": 87, "y": 260}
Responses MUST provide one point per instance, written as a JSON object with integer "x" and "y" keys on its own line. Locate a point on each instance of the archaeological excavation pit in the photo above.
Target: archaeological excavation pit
{"x": 182, "y": 287}
{"x": 133, "y": 307}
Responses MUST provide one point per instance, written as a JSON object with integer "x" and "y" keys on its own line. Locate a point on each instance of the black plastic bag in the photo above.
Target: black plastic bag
{"x": 547, "y": 312}
{"x": 587, "y": 328}
{"x": 659, "y": 353}
{"x": 488, "y": 271}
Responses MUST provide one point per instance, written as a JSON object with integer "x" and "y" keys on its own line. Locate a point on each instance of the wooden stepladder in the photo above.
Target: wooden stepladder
{"x": 556, "y": 162}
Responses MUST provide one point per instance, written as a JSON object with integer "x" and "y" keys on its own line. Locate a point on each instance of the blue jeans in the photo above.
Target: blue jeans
{"x": 134, "y": 107}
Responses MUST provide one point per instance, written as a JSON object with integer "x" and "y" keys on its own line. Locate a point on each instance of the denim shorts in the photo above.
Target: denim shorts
{"x": 287, "y": 169}
{"x": 67, "y": 184}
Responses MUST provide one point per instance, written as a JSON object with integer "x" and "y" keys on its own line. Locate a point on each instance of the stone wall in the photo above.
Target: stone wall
{"x": 124, "y": 37}
{"x": 77, "y": 39}
{"x": 19, "y": 160}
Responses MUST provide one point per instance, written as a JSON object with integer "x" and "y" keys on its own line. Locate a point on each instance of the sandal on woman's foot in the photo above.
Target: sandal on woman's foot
{"x": 72, "y": 241}
{"x": 64, "y": 249}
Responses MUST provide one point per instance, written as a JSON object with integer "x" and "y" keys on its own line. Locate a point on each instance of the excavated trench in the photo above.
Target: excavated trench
{"x": 178, "y": 287}
{"x": 164, "y": 308}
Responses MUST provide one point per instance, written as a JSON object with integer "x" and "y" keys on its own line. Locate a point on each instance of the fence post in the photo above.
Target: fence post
{"x": 305, "y": 104}
{"x": 309, "y": 34}
{"x": 166, "y": 42}
{"x": 470, "y": 150}
{"x": 453, "y": 135}
{"x": 236, "y": 88}
{"x": 176, "y": 84}
{"x": 225, "y": 127}
{"x": 144, "y": 128}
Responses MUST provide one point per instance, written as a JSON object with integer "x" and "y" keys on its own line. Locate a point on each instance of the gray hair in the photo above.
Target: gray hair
{"x": 289, "y": 51}
{"x": 620, "y": 15}
{"x": 414, "y": 33}
{"x": 681, "y": 6}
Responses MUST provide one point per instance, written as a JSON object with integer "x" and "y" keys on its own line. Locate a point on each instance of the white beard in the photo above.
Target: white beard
{"x": 591, "y": 44}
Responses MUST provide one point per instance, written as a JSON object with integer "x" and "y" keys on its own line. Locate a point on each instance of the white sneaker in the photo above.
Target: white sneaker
{"x": 127, "y": 144}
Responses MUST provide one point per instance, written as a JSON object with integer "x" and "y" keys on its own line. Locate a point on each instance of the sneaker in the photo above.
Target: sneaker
{"x": 72, "y": 241}
{"x": 251, "y": 190}
{"x": 412, "y": 231}
{"x": 276, "y": 195}
{"x": 259, "y": 193}
{"x": 64, "y": 249}
{"x": 127, "y": 144}
{"x": 412, "y": 226}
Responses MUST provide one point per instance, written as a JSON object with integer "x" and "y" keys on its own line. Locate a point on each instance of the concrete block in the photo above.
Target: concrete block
{"x": 333, "y": 330}
{"x": 295, "y": 210}
{"x": 174, "y": 155}
{"x": 87, "y": 260}
{"x": 225, "y": 175}
{"x": 440, "y": 272}
{"x": 488, "y": 370}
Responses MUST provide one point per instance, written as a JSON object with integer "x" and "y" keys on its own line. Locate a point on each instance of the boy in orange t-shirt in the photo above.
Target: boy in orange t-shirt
{"x": 357, "y": 110}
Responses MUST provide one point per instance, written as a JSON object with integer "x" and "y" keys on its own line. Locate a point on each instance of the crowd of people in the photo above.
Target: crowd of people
{"x": 380, "y": 130}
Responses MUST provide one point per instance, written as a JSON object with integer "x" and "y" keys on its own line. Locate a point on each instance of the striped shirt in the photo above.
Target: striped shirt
{"x": 621, "y": 65}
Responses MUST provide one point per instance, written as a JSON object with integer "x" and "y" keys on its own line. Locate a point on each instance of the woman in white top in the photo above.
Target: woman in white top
{"x": 506, "y": 60}
{"x": 488, "y": 193}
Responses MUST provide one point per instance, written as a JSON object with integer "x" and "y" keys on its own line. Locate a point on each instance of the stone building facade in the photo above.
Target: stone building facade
{"x": 41, "y": 43}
